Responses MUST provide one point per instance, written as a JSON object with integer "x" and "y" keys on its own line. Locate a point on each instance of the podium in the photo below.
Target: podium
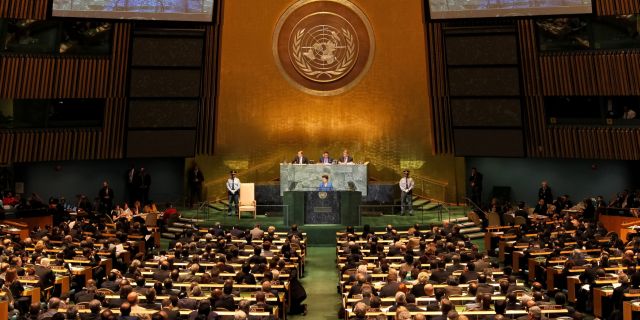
{"x": 320, "y": 207}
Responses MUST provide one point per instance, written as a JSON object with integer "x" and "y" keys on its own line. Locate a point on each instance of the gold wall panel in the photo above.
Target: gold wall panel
{"x": 263, "y": 120}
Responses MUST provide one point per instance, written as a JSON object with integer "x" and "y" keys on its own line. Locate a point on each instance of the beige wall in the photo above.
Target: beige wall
{"x": 262, "y": 120}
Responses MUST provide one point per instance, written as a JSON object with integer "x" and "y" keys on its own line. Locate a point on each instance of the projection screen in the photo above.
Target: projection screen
{"x": 168, "y": 10}
{"x": 462, "y": 9}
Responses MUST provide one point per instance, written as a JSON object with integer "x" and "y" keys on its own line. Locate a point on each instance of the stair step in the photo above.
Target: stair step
{"x": 187, "y": 220}
{"x": 182, "y": 225}
{"x": 175, "y": 230}
{"x": 224, "y": 202}
{"x": 168, "y": 235}
{"x": 476, "y": 235}
{"x": 470, "y": 230}
{"x": 430, "y": 206}
{"x": 420, "y": 202}
{"x": 461, "y": 219}
{"x": 219, "y": 206}
{"x": 466, "y": 224}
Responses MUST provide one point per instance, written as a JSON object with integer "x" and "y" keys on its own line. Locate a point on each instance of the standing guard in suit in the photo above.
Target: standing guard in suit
{"x": 233, "y": 190}
{"x": 475, "y": 184}
{"x": 406, "y": 197}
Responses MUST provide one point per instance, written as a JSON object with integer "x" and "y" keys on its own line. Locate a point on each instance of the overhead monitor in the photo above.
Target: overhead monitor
{"x": 463, "y": 9}
{"x": 167, "y": 10}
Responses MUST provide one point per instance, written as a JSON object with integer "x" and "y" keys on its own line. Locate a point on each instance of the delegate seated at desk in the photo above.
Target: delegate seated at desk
{"x": 300, "y": 158}
{"x": 325, "y": 159}
{"x": 346, "y": 158}
{"x": 325, "y": 185}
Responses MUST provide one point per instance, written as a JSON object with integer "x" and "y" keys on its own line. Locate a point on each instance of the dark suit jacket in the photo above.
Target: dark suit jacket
{"x": 439, "y": 276}
{"x": 467, "y": 276}
{"x": 349, "y": 159}
{"x": 389, "y": 289}
{"x": 115, "y": 303}
{"x": 172, "y": 314}
{"x": 296, "y": 160}
{"x": 188, "y": 303}
{"x": 454, "y": 268}
{"x": 265, "y": 306}
{"x": 45, "y": 276}
{"x": 485, "y": 288}
{"x": 418, "y": 290}
{"x": 111, "y": 285}
{"x": 84, "y": 296}
{"x": 226, "y": 302}
{"x": 453, "y": 290}
{"x": 89, "y": 316}
{"x": 160, "y": 275}
{"x": 330, "y": 160}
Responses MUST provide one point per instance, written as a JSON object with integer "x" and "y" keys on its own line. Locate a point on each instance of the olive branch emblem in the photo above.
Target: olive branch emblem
{"x": 341, "y": 68}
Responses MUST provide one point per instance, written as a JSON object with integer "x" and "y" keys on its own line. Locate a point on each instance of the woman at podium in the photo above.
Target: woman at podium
{"x": 325, "y": 185}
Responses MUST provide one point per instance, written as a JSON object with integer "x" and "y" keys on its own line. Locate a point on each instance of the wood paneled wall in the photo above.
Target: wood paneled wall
{"x": 41, "y": 77}
{"x": 439, "y": 91}
{"x": 205, "y": 130}
{"x": 47, "y": 77}
{"x": 616, "y": 7}
{"x": 576, "y": 74}
{"x": 599, "y": 72}
{"x": 24, "y": 9}
{"x": 591, "y": 73}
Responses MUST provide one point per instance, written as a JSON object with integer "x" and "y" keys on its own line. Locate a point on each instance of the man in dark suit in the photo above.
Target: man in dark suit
{"x": 94, "y": 307}
{"x": 222, "y": 300}
{"x": 130, "y": 180}
{"x": 196, "y": 179}
{"x": 445, "y": 306}
{"x": 86, "y": 294}
{"x": 46, "y": 278}
{"x": 325, "y": 159}
{"x": 170, "y": 309}
{"x": 261, "y": 302}
{"x": 475, "y": 183}
{"x": 390, "y": 289}
{"x": 483, "y": 286}
{"x": 163, "y": 272}
{"x": 439, "y": 275}
{"x": 111, "y": 283}
{"x": 106, "y": 198}
{"x": 452, "y": 287}
{"x": 300, "y": 158}
{"x": 455, "y": 266}
{"x": 545, "y": 193}
{"x": 144, "y": 185}
{"x": 346, "y": 158}
{"x": 469, "y": 273}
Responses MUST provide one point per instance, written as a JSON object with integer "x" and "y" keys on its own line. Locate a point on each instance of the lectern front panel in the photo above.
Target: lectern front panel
{"x": 322, "y": 207}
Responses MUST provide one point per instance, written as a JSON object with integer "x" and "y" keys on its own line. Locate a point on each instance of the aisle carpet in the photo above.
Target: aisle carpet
{"x": 320, "y": 282}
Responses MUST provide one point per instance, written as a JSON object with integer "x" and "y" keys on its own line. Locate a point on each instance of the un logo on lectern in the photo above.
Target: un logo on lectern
{"x": 323, "y": 47}
{"x": 322, "y": 195}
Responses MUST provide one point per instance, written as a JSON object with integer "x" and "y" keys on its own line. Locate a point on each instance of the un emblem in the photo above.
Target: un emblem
{"x": 322, "y": 195}
{"x": 323, "y": 47}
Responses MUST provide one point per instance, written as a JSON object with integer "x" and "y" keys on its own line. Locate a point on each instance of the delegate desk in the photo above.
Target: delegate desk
{"x": 307, "y": 177}
{"x": 318, "y": 207}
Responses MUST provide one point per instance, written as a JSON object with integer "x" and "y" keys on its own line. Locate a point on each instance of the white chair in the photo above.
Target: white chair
{"x": 247, "y": 201}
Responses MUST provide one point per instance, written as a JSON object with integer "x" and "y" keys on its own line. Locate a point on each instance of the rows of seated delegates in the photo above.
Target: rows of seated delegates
{"x": 562, "y": 267}
{"x": 86, "y": 269}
